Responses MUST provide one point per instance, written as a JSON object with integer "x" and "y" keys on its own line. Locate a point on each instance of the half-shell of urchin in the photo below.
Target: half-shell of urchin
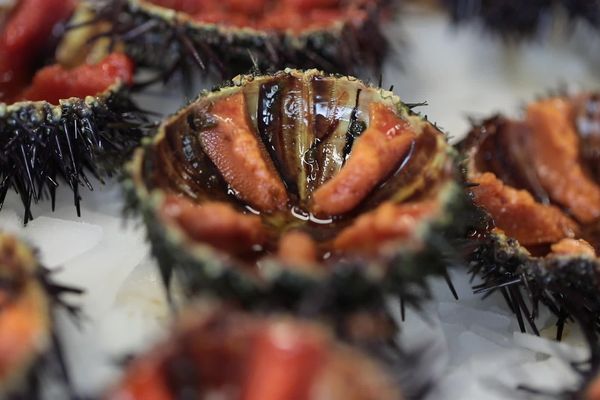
{"x": 568, "y": 284}
{"x": 170, "y": 41}
{"x": 173, "y": 161}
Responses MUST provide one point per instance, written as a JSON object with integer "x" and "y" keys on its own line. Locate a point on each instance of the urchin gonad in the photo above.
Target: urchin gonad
{"x": 30, "y": 347}
{"x": 537, "y": 180}
{"x": 232, "y": 37}
{"x": 220, "y": 352}
{"x": 280, "y": 185}
{"x": 59, "y": 122}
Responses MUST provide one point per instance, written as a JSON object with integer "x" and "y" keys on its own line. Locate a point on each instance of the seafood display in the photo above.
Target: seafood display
{"x": 294, "y": 211}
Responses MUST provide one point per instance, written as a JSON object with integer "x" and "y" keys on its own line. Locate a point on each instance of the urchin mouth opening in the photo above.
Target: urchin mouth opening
{"x": 268, "y": 157}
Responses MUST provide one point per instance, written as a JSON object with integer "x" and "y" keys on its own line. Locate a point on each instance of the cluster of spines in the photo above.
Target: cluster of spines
{"x": 568, "y": 287}
{"x": 42, "y": 144}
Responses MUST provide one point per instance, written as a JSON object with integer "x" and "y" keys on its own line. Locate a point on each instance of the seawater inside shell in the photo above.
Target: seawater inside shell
{"x": 307, "y": 126}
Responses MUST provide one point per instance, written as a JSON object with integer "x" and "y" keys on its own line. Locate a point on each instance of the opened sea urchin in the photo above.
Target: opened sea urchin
{"x": 282, "y": 186}
{"x": 537, "y": 180}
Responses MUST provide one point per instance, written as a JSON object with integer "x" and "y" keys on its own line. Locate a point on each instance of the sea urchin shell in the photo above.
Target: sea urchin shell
{"x": 279, "y": 185}
{"x": 537, "y": 181}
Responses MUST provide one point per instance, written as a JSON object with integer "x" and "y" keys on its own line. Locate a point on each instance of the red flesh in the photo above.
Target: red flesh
{"x": 386, "y": 223}
{"x": 217, "y": 224}
{"x": 593, "y": 391}
{"x": 518, "y": 214}
{"x": 552, "y": 152}
{"x": 283, "y": 364}
{"x": 24, "y": 37}
{"x": 577, "y": 247}
{"x": 311, "y": 4}
{"x": 376, "y": 153}
{"x": 297, "y": 248}
{"x": 54, "y": 82}
{"x": 24, "y": 313}
{"x": 557, "y": 162}
{"x": 234, "y": 148}
{"x": 294, "y": 15}
{"x": 186, "y": 6}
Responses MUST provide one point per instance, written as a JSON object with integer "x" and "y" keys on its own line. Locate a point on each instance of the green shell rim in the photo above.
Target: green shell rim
{"x": 406, "y": 270}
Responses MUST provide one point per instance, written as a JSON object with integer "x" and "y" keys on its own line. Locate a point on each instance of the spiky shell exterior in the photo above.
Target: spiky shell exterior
{"x": 41, "y": 143}
{"x": 170, "y": 41}
{"x": 568, "y": 286}
{"x": 344, "y": 286}
{"x": 514, "y": 19}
